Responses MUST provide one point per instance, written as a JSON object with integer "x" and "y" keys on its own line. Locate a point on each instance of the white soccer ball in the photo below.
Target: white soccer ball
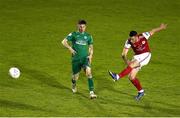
{"x": 14, "y": 72}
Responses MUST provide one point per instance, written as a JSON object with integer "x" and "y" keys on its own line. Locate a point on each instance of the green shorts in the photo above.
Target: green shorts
{"x": 78, "y": 64}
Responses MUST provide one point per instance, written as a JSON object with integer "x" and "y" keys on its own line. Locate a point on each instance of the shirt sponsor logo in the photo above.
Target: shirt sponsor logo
{"x": 143, "y": 42}
{"x": 81, "y": 42}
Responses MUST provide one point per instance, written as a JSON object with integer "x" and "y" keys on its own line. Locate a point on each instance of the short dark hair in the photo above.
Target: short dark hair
{"x": 132, "y": 33}
{"x": 82, "y": 22}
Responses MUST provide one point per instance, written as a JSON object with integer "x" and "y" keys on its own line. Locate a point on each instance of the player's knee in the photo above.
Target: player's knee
{"x": 88, "y": 74}
{"x": 134, "y": 64}
{"x": 131, "y": 64}
{"x": 131, "y": 76}
{"x": 88, "y": 71}
{"x": 75, "y": 77}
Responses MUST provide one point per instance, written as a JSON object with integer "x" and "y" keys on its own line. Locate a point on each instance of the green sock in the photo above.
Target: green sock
{"x": 91, "y": 84}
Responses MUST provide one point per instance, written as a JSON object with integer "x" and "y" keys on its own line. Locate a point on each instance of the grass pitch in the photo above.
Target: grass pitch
{"x": 30, "y": 39}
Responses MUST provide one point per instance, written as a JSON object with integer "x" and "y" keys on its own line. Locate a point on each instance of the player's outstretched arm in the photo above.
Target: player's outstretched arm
{"x": 65, "y": 44}
{"x": 161, "y": 27}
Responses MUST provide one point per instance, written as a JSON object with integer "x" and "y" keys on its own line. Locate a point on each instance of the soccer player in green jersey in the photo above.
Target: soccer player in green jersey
{"x": 82, "y": 53}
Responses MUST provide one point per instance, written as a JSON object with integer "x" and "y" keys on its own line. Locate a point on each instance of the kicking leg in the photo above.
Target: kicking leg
{"x": 126, "y": 71}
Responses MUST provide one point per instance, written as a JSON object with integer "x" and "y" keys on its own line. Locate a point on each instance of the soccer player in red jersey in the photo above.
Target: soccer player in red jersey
{"x": 139, "y": 44}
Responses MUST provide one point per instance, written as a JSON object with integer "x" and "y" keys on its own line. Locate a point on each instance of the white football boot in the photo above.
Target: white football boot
{"x": 92, "y": 95}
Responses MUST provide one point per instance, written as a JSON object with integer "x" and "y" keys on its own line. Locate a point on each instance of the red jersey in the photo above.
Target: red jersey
{"x": 141, "y": 46}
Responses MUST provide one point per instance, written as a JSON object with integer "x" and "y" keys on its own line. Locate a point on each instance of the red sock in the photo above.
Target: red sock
{"x": 137, "y": 84}
{"x": 125, "y": 72}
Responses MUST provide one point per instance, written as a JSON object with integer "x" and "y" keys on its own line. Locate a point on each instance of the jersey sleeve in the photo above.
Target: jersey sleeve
{"x": 127, "y": 44}
{"x": 146, "y": 35}
{"x": 70, "y": 37}
{"x": 90, "y": 42}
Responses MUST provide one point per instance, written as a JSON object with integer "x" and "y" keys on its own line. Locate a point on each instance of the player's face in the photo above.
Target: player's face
{"x": 81, "y": 27}
{"x": 134, "y": 38}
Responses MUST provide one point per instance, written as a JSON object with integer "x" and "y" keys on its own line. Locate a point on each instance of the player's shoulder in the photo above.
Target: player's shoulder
{"x": 88, "y": 35}
{"x": 72, "y": 33}
{"x": 145, "y": 35}
{"x": 141, "y": 36}
{"x": 128, "y": 41}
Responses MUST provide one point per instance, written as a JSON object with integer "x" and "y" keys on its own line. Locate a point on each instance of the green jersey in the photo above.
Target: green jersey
{"x": 80, "y": 43}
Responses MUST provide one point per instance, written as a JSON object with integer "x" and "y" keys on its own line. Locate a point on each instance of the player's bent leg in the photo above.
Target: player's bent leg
{"x": 126, "y": 71}
{"x": 74, "y": 79}
{"x": 134, "y": 64}
{"x": 90, "y": 82}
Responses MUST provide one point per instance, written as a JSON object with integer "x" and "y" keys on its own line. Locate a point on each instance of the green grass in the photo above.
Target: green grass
{"x": 30, "y": 38}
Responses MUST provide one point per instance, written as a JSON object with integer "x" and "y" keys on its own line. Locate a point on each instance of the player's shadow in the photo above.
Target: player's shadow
{"x": 47, "y": 79}
{"x": 170, "y": 110}
{"x": 17, "y": 105}
{"x": 44, "y": 78}
{"x": 149, "y": 107}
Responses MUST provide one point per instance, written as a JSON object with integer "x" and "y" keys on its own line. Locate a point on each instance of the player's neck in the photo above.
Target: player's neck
{"x": 82, "y": 32}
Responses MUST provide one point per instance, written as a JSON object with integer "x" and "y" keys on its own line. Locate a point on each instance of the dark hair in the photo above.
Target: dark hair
{"x": 132, "y": 33}
{"x": 81, "y": 22}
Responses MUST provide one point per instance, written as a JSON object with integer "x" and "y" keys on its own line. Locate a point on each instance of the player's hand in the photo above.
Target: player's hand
{"x": 72, "y": 51}
{"x": 90, "y": 58}
{"x": 163, "y": 26}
